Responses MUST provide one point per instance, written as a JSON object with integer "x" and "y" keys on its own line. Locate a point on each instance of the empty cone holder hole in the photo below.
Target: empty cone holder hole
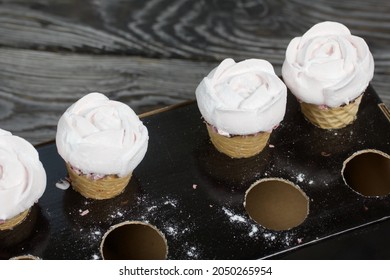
{"x": 368, "y": 173}
{"x": 276, "y": 204}
{"x": 134, "y": 241}
{"x": 25, "y": 257}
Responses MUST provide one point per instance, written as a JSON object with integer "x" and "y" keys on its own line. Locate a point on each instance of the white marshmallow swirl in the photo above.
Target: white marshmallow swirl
{"x": 327, "y": 65}
{"x": 242, "y": 98}
{"x": 22, "y": 176}
{"x": 100, "y": 136}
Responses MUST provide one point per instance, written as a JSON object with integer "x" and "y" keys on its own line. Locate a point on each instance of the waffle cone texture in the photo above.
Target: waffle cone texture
{"x": 99, "y": 189}
{"x": 240, "y": 146}
{"x": 331, "y": 118}
{"x": 11, "y": 223}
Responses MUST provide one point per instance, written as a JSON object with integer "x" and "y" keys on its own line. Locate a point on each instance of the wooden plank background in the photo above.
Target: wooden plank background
{"x": 152, "y": 53}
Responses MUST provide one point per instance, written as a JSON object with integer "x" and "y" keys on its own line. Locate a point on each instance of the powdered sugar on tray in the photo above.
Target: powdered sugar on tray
{"x": 234, "y": 217}
{"x": 118, "y": 214}
{"x": 253, "y": 231}
{"x": 88, "y": 241}
{"x": 151, "y": 208}
{"x": 95, "y": 235}
{"x": 192, "y": 252}
{"x": 171, "y": 230}
{"x": 179, "y": 232}
{"x": 175, "y": 229}
{"x": 269, "y": 236}
{"x": 172, "y": 202}
{"x": 301, "y": 177}
{"x": 242, "y": 221}
{"x": 256, "y": 231}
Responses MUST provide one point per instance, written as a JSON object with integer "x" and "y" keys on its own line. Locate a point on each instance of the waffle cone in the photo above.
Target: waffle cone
{"x": 331, "y": 118}
{"x": 240, "y": 146}
{"x": 104, "y": 188}
{"x": 11, "y": 223}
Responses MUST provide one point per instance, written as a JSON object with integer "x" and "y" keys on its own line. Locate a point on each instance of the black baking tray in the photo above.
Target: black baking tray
{"x": 195, "y": 195}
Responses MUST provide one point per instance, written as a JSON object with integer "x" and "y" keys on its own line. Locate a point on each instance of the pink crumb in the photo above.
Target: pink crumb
{"x": 271, "y": 146}
{"x": 85, "y": 212}
{"x": 194, "y": 186}
{"x": 76, "y": 170}
{"x": 300, "y": 240}
{"x": 323, "y": 107}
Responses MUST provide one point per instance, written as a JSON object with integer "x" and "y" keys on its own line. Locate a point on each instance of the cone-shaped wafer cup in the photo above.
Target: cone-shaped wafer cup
{"x": 13, "y": 222}
{"x": 239, "y": 146}
{"x": 331, "y": 118}
{"x": 104, "y": 188}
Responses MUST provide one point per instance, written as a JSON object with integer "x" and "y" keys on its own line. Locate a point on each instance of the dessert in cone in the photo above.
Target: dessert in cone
{"x": 328, "y": 69}
{"x": 13, "y": 222}
{"x": 104, "y": 188}
{"x": 102, "y": 141}
{"x": 331, "y": 118}
{"x": 241, "y": 104}
{"x": 22, "y": 181}
{"x": 239, "y": 146}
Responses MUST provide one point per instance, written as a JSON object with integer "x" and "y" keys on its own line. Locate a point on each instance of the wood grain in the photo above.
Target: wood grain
{"x": 37, "y": 87}
{"x": 152, "y": 53}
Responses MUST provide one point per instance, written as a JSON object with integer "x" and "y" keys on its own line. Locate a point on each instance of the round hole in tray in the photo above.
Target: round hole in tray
{"x": 134, "y": 240}
{"x": 276, "y": 204}
{"x": 368, "y": 172}
{"x": 25, "y": 257}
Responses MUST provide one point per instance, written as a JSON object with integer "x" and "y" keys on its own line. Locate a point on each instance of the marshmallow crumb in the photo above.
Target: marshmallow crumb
{"x": 63, "y": 184}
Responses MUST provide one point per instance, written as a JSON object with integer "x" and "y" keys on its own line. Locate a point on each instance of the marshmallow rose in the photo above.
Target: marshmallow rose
{"x": 22, "y": 176}
{"x": 242, "y": 98}
{"x": 102, "y": 141}
{"x": 328, "y": 66}
{"x": 241, "y": 103}
{"x": 101, "y": 137}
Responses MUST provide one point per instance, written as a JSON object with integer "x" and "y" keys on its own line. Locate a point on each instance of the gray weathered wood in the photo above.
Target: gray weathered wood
{"x": 37, "y": 87}
{"x": 152, "y": 53}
